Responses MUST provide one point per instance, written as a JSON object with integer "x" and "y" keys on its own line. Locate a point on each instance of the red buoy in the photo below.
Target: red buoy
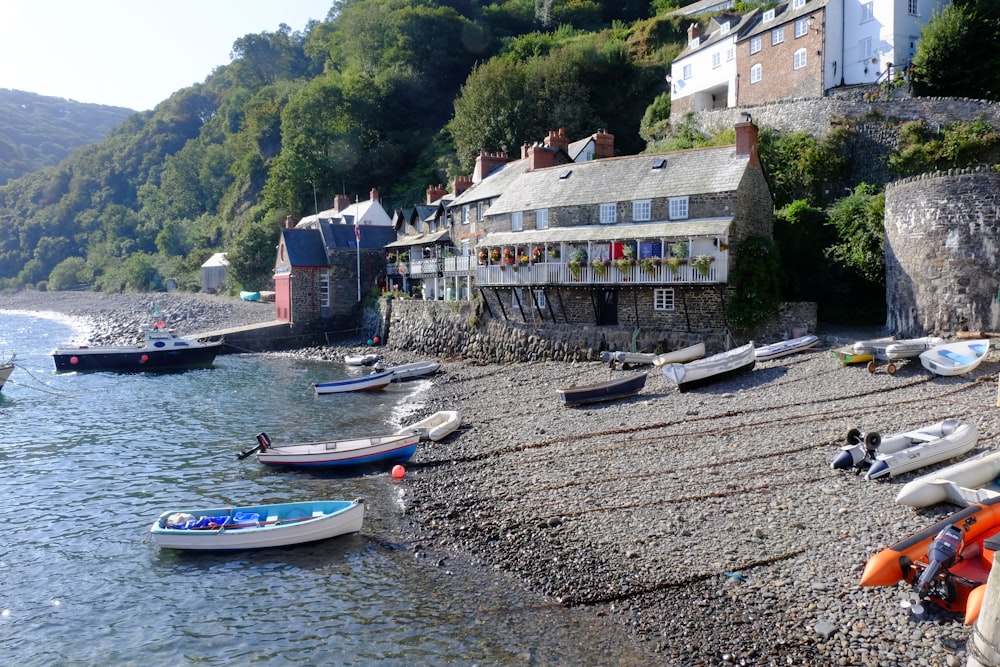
{"x": 74, "y": 360}
{"x": 398, "y": 472}
{"x": 144, "y": 358}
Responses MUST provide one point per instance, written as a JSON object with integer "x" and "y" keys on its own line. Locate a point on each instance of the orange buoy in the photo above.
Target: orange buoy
{"x": 398, "y": 472}
{"x": 376, "y": 339}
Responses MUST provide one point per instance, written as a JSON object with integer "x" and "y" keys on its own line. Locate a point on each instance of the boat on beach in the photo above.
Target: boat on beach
{"x": 256, "y": 526}
{"x": 361, "y": 359}
{"x": 373, "y": 382}
{"x": 348, "y": 452}
{"x": 964, "y": 483}
{"x": 436, "y": 427}
{"x": 893, "y": 455}
{"x": 892, "y": 351}
{"x": 785, "y": 347}
{"x": 411, "y": 371}
{"x": 847, "y": 355}
{"x": 163, "y": 350}
{"x": 683, "y": 355}
{"x": 956, "y": 358}
{"x": 610, "y": 390}
{"x": 701, "y": 372}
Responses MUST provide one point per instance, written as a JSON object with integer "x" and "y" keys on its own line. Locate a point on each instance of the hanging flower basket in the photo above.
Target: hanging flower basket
{"x": 494, "y": 255}
{"x": 674, "y": 262}
{"x": 623, "y": 264}
{"x": 537, "y": 255}
{"x": 574, "y": 268}
{"x": 703, "y": 264}
{"x": 554, "y": 253}
{"x": 483, "y": 255}
{"x": 650, "y": 265}
{"x": 600, "y": 266}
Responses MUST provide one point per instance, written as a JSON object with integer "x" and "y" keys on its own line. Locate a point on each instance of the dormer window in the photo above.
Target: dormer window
{"x": 768, "y": 15}
{"x": 724, "y": 29}
{"x": 659, "y": 163}
{"x": 798, "y": 4}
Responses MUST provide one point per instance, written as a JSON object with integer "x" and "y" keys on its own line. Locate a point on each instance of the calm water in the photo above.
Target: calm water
{"x": 90, "y": 460}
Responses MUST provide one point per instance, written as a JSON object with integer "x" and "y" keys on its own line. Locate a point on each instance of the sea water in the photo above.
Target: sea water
{"x": 89, "y": 460}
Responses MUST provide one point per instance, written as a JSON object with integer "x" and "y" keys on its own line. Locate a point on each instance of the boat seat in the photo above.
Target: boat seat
{"x": 317, "y": 513}
{"x": 272, "y": 518}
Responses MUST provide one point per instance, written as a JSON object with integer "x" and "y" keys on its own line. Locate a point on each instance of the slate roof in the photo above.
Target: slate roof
{"x": 736, "y": 25}
{"x": 783, "y": 14}
{"x": 494, "y": 185}
{"x": 418, "y": 239}
{"x": 684, "y": 173}
{"x": 305, "y": 247}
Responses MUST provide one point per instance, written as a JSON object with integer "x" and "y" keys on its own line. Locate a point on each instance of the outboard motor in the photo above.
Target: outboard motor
{"x": 858, "y": 450}
{"x": 940, "y": 556}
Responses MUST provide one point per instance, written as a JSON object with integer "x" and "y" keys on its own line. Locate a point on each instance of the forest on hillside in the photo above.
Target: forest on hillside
{"x": 391, "y": 94}
{"x": 38, "y": 131}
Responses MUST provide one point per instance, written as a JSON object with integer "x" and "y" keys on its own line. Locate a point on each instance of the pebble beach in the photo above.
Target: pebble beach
{"x": 707, "y": 525}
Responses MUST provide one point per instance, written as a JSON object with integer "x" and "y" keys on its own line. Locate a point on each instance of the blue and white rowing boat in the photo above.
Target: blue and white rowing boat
{"x": 956, "y": 358}
{"x": 373, "y": 382}
{"x": 350, "y": 452}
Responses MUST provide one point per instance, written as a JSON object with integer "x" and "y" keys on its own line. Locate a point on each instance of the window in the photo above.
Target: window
{"x": 663, "y": 298}
{"x": 724, "y": 29}
{"x": 516, "y": 221}
{"x": 716, "y": 60}
{"x": 540, "y": 298}
{"x": 730, "y": 53}
{"x": 678, "y": 208}
{"x": 641, "y": 210}
{"x": 609, "y": 214}
{"x": 754, "y": 44}
{"x": 865, "y": 48}
{"x": 867, "y": 12}
{"x": 778, "y": 35}
{"x": 687, "y": 71}
{"x": 755, "y": 74}
{"x": 479, "y": 210}
{"x": 799, "y": 59}
{"x": 912, "y": 8}
{"x": 798, "y": 4}
{"x": 466, "y": 251}
{"x": 801, "y": 27}
{"x": 542, "y": 218}
{"x": 465, "y": 214}
{"x": 768, "y": 16}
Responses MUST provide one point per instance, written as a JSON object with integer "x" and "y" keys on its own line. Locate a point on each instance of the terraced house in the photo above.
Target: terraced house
{"x": 644, "y": 240}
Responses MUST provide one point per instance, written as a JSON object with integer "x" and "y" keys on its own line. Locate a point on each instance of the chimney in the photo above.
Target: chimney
{"x": 462, "y": 183}
{"x": 373, "y": 195}
{"x": 557, "y": 140}
{"x": 289, "y": 224}
{"x": 487, "y": 162}
{"x": 746, "y": 139}
{"x": 604, "y": 145}
{"x": 524, "y": 150}
{"x": 540, "y": 157}
{"x": 435, "y": 192}
{"x": 340, "y": 202}
{"x": 694, "y": 32}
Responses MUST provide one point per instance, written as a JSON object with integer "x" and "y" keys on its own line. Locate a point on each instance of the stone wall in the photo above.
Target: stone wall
{"x": 943, "y": 253}
{"x": 443, "y": 329}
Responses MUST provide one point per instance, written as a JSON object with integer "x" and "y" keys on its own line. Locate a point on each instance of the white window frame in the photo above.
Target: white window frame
{"x": 801, "y": 27}
{"x": 516, "y": 221}
{"x": 799, "y": 59}
{"x": 768, "y": 16}
{"x": 865, "y": 48}
{"x": 642, "y": 210}
{"x": 465, "y": 214}
{"x": 466, "y": 250}
{"x": 609, "y": 214}
{"x": 542, "y": 218}
{"x": 678, "y": 208}
{"x": 540, "y": 298}
{"x": 716, "y": 60}
{"x": 730, "y": 53}
{"x": 687, "y": 71}
{"x": 913, "y": 7}
{"x": 798, "y": 4}
{"x": 663, "y": 299}
{"x": 755, "y": 44}
{"x": 777, "y": 35}
{"x": 756, "y": 73}
{"x": 867, "y": 12}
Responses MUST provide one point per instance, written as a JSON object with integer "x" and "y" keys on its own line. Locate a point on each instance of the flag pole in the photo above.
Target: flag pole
{"x": 357, "y": 242}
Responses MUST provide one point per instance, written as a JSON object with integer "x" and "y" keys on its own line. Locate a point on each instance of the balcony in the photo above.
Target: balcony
{"x": 559, "y": 273}
{"x": 429, "y": 268}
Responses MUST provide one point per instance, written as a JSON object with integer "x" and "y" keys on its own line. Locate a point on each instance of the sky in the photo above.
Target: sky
{"x": 131, "y": 53}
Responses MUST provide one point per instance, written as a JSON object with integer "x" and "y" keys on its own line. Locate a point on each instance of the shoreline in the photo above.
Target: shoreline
{"x": 707, "y": 525}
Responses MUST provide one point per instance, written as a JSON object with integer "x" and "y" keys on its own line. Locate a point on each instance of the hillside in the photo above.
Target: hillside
{"x": 38, "y": 131}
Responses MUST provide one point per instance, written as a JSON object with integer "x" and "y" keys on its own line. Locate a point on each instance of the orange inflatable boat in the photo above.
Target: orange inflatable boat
{"x": 947, "y": 563}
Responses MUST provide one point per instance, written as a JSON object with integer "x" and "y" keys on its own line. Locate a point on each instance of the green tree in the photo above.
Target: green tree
{"x": 251, "y": 261}
{"x": 756, "y": 278}
{"x": 956, "y": 56}
{"x": 68, "y": 274}
{"x": 860, "y": 223}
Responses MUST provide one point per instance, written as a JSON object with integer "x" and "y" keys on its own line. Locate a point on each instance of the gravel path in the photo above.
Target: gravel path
{"x": 708, "y": 524}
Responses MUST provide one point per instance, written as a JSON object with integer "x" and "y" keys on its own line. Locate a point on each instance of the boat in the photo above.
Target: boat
{"x": 785, "y": 347}
{"x": 257, "y": 526}
{"x": 417, "y": 369}
{"x": 611, "y": 390}
{"x": 435, "y": 427}
{"x": 900, "y": 453}
{"x": 717, "y": 367}
{"x": 956, "y": 358}
{"x": 250, "y": 296}
{"x": 163, "y": 350}
{"x": 398, "y": 447}
{"x": 6, "y": 368}
{"x": 945, "y": 563}
{"x": 685, "y": 354}
{"x": 846, "y": 354}
{"x": 372, "y": 382}
{"x": 964, "y": 483}
{"x": 361, "y": 359}
{"x": 895, "y": 350}
{"x": 635, "y": 358}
